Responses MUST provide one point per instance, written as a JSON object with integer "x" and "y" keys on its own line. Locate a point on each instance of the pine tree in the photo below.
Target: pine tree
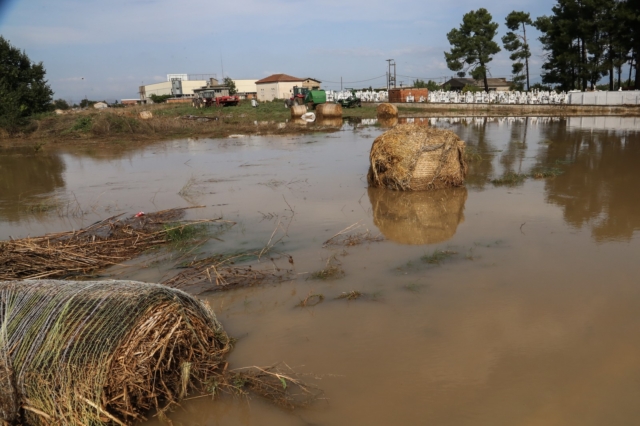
{"x": 472, "y": 45}
{"x": 517, "y": 44}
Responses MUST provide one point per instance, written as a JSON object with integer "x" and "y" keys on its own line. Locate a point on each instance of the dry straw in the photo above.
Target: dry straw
{"x": 105, "y": 243}
{"x": 101, "y": 353}
{"x": 328, "y": 110}
{"x": 298, "y": 110}
{"x": 386, "y": 111}
{"x": 413, "y": 158}
{"x": 418, "y": 217}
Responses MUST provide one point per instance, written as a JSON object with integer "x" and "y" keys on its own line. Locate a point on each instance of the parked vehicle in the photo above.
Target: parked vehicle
{"x": 214, "y": 96}
{"x": 350, "y": 102}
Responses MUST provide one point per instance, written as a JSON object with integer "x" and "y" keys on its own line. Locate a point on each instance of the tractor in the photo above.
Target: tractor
{"x": 304, "y": 96}
{"x": 297, "y": 98}
{"x": 350, "y": 102}
{"x": 214, "y": 96}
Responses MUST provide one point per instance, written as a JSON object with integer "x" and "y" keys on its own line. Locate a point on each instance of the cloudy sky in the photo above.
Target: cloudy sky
{"x": 105, "y": 49}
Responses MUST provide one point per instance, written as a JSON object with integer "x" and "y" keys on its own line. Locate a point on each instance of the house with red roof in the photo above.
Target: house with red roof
{"x": 277, "y": 86}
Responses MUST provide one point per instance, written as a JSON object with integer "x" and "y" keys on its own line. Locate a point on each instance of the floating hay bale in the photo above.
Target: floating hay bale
{"x": 388, "y": 122}
{"x": 413, "y": 158}
{"x": 386, "y": 111}
{"x": 145, "y": 115}
{"x": 298, "y": 110}
{"x": 419, "y": 217}
{"x": 101, "y": 353}
{"x": 308, "y": 117}
{"x": 328, "y": 110}
{"x": 330, "y": 122}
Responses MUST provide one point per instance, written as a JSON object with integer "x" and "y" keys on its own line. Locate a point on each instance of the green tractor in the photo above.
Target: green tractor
{"x": 350, "y": 102}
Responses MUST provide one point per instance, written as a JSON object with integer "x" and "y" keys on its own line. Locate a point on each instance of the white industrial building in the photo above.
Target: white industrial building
{"x": 183, "y": 86}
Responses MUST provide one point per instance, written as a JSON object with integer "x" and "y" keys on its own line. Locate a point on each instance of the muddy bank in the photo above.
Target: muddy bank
{"x": 448, "y": 110}
{"x": 164, "y": 122}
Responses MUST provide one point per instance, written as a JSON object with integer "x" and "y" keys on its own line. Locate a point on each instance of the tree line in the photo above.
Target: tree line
{"x": 583, "y": 41}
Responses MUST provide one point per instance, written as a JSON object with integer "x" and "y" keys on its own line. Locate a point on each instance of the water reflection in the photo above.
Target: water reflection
{"x": 598, "y": 186}
{"x": 419, "y": 217}
{"x": 26, "y": 176}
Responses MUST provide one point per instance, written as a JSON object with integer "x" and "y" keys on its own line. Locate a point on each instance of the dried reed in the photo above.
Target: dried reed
{"x": 105, "y": 243}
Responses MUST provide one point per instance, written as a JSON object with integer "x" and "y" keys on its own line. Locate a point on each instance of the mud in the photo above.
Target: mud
{"x": 529, "y": 317}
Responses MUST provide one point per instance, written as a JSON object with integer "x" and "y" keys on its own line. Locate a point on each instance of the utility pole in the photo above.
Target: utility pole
{"x": 391, "y": 80}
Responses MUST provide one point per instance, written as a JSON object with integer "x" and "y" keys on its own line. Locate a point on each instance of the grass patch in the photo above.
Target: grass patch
{"x": 438, "y": 256}
{"x": 350, "y": 295}
{"x": 82, "y": 124}
{"x": 331, "y": 271}
{"x": 545, "y": 172}
{"x": 312, "y": 299}
{"x": 471, "y": 154}
{"x": 509, "y": 179}
{"x": 179, "y": 234}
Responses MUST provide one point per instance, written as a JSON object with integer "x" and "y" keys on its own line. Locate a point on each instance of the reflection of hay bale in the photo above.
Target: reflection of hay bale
{"x": 89, "y": 352}
{"x": 411, "y": 157}
{"x": 386, "y": 111}
{"x": 298, "y": 110}
{"x": 388, "y": 122}
{"x": 330, "y": 122}
{"x": 328, "y": 110}
{"x": 424, "y": 217}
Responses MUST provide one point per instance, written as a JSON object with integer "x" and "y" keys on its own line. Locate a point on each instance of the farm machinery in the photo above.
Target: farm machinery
{"x": 214, "y": 96}
{"x": 305, "y": 96}
{"x": 351, "y": 101}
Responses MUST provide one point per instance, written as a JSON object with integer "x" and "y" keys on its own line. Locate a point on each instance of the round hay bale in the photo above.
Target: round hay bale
{"x": 330, "y": 122}
{"x": 419, "y": 217}
{"x": 102, "y": 352}
{"x": 298, "y": 110}
{"x": 414, "y": 158}
{"x": 145, "y": 115}
{"x": 329, "y": 110}
{"x": 386, "y": 111}
{"x": 388, "y": 122}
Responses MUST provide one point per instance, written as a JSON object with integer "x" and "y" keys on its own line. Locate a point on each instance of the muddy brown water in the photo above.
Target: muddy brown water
{"x": 532, "y": 319}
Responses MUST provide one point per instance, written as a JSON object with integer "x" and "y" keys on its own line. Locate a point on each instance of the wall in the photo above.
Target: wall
{"x": 188, "y": 86}
{"x": 246, "y": 86}
{"x": 159, "y": 89}
{"x": 605, "y": 98}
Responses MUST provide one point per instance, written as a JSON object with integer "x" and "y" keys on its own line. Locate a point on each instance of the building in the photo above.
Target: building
{"x": 497, "y": 84}
{"x": 129, "y": 102}
{"x": 277, "y": 86}
{"x": 311, "y": 83}
{"x": 177, "y": 86}
{"x": 246, "y": 89}
{"x": 408, "y": 94}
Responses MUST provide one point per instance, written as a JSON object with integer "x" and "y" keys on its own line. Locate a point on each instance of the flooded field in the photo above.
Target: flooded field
{"x": 514, "y": 300}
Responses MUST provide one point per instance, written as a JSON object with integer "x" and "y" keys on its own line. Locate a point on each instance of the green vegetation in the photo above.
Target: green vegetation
{"x": 545, "y": 172}
{"x": 82, "y": 124}
{"x": 472, "y": 45}
{"x": 159, "y": 99}
{"x": 231, "y": 85}
{"x": 23, "y": 88}
{"x": 438, "y": 256}
{"x": 509, "y": 179}
{"x": 61, "y": 104}
{"x": 585, "y": 41}
{"x": 517, "y": 44}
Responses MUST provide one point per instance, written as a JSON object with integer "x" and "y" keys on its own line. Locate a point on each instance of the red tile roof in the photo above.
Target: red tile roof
{"x": 276, "y": 78}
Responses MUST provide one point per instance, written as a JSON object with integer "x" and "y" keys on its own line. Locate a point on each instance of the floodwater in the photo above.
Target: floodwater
{"x": 532, "y": 318}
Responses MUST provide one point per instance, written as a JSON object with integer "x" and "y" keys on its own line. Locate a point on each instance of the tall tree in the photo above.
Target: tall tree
{"x": 231, "y": 85}
{"x": 516, "y": 43}
{"x": 472, "y": 45}
{"x": 23, "y": 88}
